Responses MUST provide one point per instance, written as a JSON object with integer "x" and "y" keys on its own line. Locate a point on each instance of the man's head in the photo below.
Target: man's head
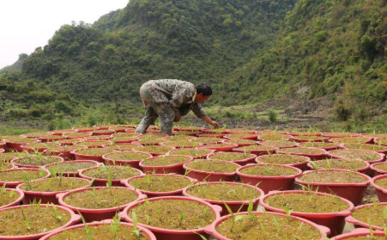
{"x": 203, "y": 91}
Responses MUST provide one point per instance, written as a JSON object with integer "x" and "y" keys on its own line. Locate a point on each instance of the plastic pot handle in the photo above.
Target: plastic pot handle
{"x": 209, "y": 229}
{"x": 218, "y": 208}
{"x": 360, "y": 230}
{"x": 75, "y": 218}
{"x": 324, "y": 229}
{"x": 60, "y": 195}
{"x": 351, "y": 219}
{"x": 142, "y": 196}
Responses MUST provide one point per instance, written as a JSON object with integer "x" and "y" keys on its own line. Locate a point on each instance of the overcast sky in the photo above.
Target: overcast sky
{"x": 28, "y": 24}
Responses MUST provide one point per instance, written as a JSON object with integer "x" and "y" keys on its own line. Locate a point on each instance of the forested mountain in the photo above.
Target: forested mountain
{"x": 249, "y": 50}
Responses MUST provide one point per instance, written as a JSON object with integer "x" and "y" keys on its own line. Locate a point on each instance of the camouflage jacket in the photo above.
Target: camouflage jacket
{"x": 179, "y": 94}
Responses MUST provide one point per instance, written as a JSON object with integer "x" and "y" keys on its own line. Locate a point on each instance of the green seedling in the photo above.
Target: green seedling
{"x": 181, "y": 217}
{"x": 87, "y": 229}
{"x": 314, "y": 165}
{"x": 135, "y": 229}
{"x": 11, "y": 193}
{"x": 115, "y": 226}
{"x": 277, "y": 225}
{"x": 3, "y": 190}
{"x": 55, "y": 209}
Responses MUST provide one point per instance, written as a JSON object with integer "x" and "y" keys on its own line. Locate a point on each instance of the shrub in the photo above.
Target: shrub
{"x": 273, "y": 116}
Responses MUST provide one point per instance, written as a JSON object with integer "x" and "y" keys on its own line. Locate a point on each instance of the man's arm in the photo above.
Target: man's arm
{"x": 200, "y": 113}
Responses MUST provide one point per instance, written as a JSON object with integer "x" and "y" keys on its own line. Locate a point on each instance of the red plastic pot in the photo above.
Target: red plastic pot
{"x": 211, "y": 176}
{"x": 380, "y": 159}
{"x": 167, "y": 234}
{"x": 102, "y": 182}
{"x": 174, "y": 168}
{"x": 66, "y": 155}
{"x": 158, "y": 194}
{"x": 14, "y": 184}
{"x": 242, "y": 206}
{"x": 214, "y": 131}
{"x": 252, "y": 142}
{"x": 224, "y": 147}
{"x": 301, "y": 165}
{"x": 74, "y": 174}
{"x": 44, "y": 197}
{"x": 321, "y": 156}
{"x": 247, "y": 136}
{"x": 212, "y": 228}
{"x": 91, "y": 215}
{"x": 26, "y": 148}
{"x": 149, "y": 235}
{"x": 335, "y": 221}
{"x": 338, "y": 146}
{"x": 19, "y": 165}
{"x": 339, "y": 135}
{"x": 73, "y": 220}
{"x": 300, "y": 140}
{"x": 2, "y": 150}
{"x": 360, "y": 232}
{"x": 17, "y": 201}
{"x": 241, "y": 162}
{"x": 369, "y": 140}
{"x": 363, "y": 170}
{"x": 105, "y": 132}
{"x": 376, "y": 171}
{"x": 307, "y": 134}
{"x": 132, "y": 163}
{"x": 154, "y": 154}
{"x": 280, "y": 147}
{"x": 270, "y": 183}
{"x": 354, "y": 192}
{"x": 214, "y": 135}
{"x": 87, "y": 157}
{"x": 83, "y": 129}
{"x": 14, "y": 146}
{"x": 360, "y": 224}
{"x": 381, "y": 192}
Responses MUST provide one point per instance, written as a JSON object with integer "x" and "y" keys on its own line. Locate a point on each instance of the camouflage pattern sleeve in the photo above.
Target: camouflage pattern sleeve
{"x": 198, "y": 111}
{"x": 182, "y": 94}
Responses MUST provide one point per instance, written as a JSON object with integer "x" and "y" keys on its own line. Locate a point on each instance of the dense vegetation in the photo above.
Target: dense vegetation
{"x": 248, "y": 50}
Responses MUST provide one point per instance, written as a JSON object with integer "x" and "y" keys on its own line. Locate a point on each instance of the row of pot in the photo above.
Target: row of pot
{"x": 333, "y": 220}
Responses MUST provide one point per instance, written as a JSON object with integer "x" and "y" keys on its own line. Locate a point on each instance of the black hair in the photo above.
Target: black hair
{"x": 204, "y": 88}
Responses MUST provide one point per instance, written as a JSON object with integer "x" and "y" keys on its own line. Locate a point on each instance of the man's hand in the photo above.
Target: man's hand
{"x": 177, "y": 119}
{"x": 214, "y": 124}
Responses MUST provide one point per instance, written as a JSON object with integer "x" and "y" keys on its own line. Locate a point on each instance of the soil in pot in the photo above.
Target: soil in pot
{"x": 373, "y": 214}
{"x": 182, "y": 144}
{"x": 352, "y": 140}
{"x": 356, "y": 154}
{"x": 268, "y": 170}
{"x": 192, "y": 152}
{"x": 63, "y": 148}
{"x": 127, "y": 156}
{"x": 115, "y": 172}
{"x": 94, "y": 151}
{"x": 284, "y": 159}
{"x": 160, "y": 183}
{"x": 207, "y": 140}
{"x": 34, "y": 219}
{"x": 99, "y": 138}
{"x": 125, "y": 147}
{"x": 224, "y": 192}
{"x": 310, "y": 138}
{"x": 242, "y": 135}
{"x": 332, "y": 177}
{"x": 100, "y": 198}
{"x": 219, "y": 146}
{"x": 174, "y": 214}
{"x": 303, "y": 150}
{"x": 274, "y": 137}
{"x": 38, "y": 147}
{"x": 241, "y": 141}
{"x": 279, "y": 143}
{"x": 112, "y": 231}
{"x": 307, "y": 202}
{"x": 69, "y": 141}
{"x": 161, "y": 150}
{"x": 8, "y": 156}
{"x": 96, "y": 144}
{"x": 340, "y": 164}
{"x": 72, "y": 167}
{"x": 381, "y": 167}
{"x": 18, "y": 139}
{"x": 382, "y": 183}
{"x": 165, "y": 160}
{"x": 150, "y": 139}
{"x": 231, "y": 156}
{"x": 178, "y": 138}
{"x": 57, "y": 184}
{"x": 212, "y": 166}
{"x": 36, "y": 160}
{"x": 19, "y": 175}
{"x": 320, "y": 145}
{"x": 7, "y": 197}
{"x": 124, "y": 138}
{"x": 371, "y": 147}
{"x": 77, "y": 135}
{"x": 254, "y": 148}
{"x": 268, "y": 226}
{"x": 5, "y": 166}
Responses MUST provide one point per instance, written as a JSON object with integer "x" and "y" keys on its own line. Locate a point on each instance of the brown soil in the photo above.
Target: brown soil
{"x": 241, "y": 141}
{"x": 274, "y": 137}
{"x": 319, "y": 144}
{"x": 96, "y": 144}
{"x": 17, "y": 176}
{"x": 256, "y": 147}
{"x": 100, "y": 232}
{"x": 266, "y": 170}
{"x": 233, "y": 136}
{"x": 7, "y": 197}
{"x": 207, "y": 140}
{"x": 77, "y": 134}
{"x": 127, "y": 156}
{"x": 37, "y": 160}
{"x": 371, "y": 147}
{"x": 371, "y": 215}
{"x": 193, "y": 152}
{"x": 101, "y": 198}
{"x": 266, "y": 226}
{"x": 382, "y": 167}
{"x": 18, "y": 139}
{"x": 333, "y": 177}
{"x": 278, "y": 143}
{"x": 70, "y": 167}
{"x": 183, "y": 143}
{"x": 125, "y": 147}
{"x": 31, "y": 220}
{"x": 382, "y": 183}
{"x": 95, "y": 151}
{"x": 356, "y": 154}
{"x": 65, "y": 148}
{"x": 40, "y": 145}
{"x": 302, "y": 150}
{"x": 178, "y": 138}
{"x": 224, "y": 192}
{"x": 281, "y": 159}
{"x": 67, "y": 141}
{"x": 307, "y": 202}
{"x": 153, "y": 149}
{"x": 212, "y": 166}
{"x": 216, "y": 145}
{"x": 5, "y": 166}
{"x": 340, "y": 164}
{"x": 174, "y": 214}
{"x": 55, "y": 184}
{"x": 231, "y": 156}
{"x": 164, "y": 183}
{"x": 165, "y": 161}
{"x": 117, "y": 172}
{"x": 351, "y": 140}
